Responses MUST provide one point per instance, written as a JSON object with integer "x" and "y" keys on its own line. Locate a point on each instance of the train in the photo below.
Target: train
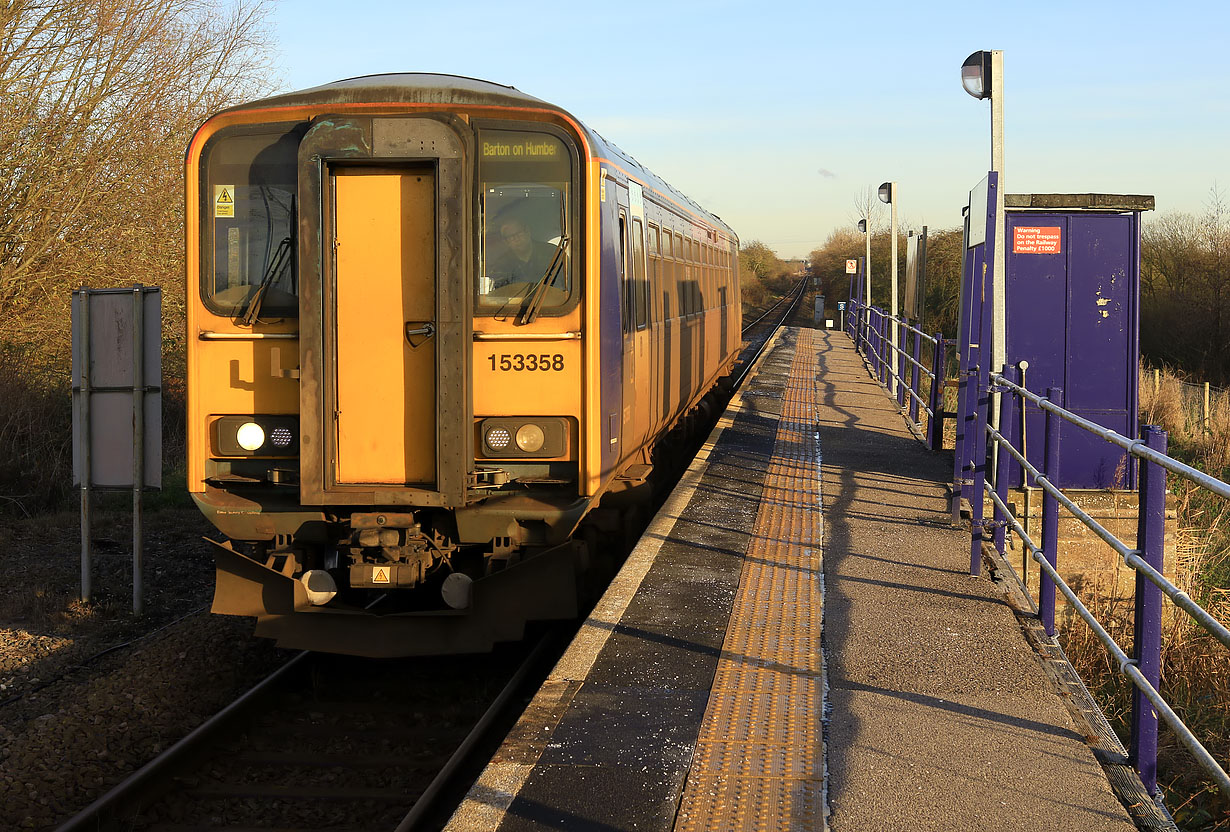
{"x": 442, "y": 336}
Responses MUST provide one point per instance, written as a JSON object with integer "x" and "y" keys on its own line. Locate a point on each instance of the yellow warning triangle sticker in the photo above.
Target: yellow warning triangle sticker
{"x": 224, "y": 197}
{"x": 380, "y": 575}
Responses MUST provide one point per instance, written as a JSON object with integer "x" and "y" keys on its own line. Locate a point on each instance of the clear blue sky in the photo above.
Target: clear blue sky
{"x": 775, "y": 115}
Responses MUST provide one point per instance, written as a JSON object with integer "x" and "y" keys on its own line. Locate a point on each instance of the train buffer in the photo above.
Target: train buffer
{"x": 796, "y": 643}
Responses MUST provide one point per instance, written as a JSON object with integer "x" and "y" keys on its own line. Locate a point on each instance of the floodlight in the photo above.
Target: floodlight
{"x": 976, "y": 75}
{"x": 862, "y": 226}
{"x": 886, "y": 192}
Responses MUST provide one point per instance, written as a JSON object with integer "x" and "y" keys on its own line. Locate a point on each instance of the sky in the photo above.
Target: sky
{"x": 777, "y": 116}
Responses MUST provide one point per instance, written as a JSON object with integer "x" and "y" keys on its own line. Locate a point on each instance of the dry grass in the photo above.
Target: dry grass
{"x": 1174, "y": 403}
{"x": 1195, "y": 666}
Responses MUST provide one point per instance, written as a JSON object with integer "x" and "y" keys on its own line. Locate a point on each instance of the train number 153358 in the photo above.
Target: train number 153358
{"x": 516, "y": 363}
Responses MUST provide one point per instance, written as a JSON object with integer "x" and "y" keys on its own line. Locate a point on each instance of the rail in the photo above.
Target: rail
{"x": 902, "y": 370}
{"x": 1143, "y": 666}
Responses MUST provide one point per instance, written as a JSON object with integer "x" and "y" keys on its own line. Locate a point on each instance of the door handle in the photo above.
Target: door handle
{"x": 426, "y": 330}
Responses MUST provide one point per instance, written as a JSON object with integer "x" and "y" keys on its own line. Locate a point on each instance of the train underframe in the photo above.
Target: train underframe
{"x": 398, "y": 581}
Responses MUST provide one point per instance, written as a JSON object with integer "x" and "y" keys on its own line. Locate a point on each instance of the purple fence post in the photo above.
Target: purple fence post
{"x": 880, "y": 330}
{"x": 977, "y": 445}
{"x": 1050, "y": 512}
{"x": 875, "y": 341}
{"x": 888, "y": 349}
{"x": 1006, "y": 401}
{"x": 869, "y": 334}
{"x": 899, "y": 362}
{"x": 938, "y": 368}
{"x": 915, "y": 376}
{"x": 883, "y": 344}
{"x": 1150, "y": 541}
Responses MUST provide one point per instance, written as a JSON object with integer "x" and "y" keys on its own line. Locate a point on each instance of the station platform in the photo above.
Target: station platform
{"x": 796, "y": 643}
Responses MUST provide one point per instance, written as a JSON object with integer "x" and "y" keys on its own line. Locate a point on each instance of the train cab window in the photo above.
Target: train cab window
{"x": 525, "y": 218}
{"x": 248, "y": 224}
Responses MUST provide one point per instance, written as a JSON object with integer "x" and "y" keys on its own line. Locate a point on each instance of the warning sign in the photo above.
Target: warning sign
{"x": 224, "y": 200}
{"x": 380, "y": 574}
{"x": 851, "y": 267}
{"x": 1036, "y": 240}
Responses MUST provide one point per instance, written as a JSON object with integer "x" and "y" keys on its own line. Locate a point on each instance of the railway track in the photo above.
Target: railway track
{"x": 331, "y": 742}
{"x": 339, "y": 743}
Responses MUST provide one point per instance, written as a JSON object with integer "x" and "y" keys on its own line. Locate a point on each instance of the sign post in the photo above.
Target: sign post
{"x": 117, "y": 393}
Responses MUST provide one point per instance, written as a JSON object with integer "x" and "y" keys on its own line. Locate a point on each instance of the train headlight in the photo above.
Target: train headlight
{"x": 530, "y": 438}
{"x": 497, "y": 438}
{"x": 250, "y": 436}
{"x": 263, "y": 435}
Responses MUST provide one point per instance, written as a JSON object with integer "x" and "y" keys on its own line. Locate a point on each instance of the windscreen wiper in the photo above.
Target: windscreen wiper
{"x": 277, "y": 264}
{"x": 539, "y": 292}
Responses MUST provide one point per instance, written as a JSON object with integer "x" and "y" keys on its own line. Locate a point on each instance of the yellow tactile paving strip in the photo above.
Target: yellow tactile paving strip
{"x": 759, "y": 761}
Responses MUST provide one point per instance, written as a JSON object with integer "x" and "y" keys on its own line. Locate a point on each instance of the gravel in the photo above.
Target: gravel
{"x": 88, "y": 692}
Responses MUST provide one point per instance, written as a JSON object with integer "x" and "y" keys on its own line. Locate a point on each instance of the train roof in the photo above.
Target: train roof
{"x": 405, "y": 87}
{"x": 459, "y": 90}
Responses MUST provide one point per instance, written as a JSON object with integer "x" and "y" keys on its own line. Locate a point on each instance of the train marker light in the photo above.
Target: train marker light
{"x": 497, "y": 439}
{"x": 976, "y": 75}
{"x": 250, "y": 436}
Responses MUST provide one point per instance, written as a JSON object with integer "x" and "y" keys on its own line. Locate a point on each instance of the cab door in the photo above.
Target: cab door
{"x": 384, "y": 419}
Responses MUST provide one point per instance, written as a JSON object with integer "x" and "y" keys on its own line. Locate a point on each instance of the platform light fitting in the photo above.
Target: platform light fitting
{"x": 886, "y": 192}
{"x": 976, "y": 75}
{"x": 862, "y": 226}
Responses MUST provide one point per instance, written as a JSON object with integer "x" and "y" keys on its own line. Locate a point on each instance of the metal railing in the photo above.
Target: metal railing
{"x": 1143, "y": 667}
{"x": 901, "y": 368}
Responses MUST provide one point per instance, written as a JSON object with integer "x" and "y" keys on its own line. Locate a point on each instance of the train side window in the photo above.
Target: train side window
{"x": 640, "y": 300}
{"x": 668, "y": 271}
{"x": 652, "y": 243}
{"x": 694, "y": 299}
{"x": 682, "y": 272}
{"x": 625, "y": 275}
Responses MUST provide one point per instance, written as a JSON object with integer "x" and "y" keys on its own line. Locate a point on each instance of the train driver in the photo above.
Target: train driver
{"x": 526, "y": 259}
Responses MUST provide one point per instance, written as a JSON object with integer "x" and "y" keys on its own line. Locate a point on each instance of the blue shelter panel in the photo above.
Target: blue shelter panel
{"x": 1073, "y": 283}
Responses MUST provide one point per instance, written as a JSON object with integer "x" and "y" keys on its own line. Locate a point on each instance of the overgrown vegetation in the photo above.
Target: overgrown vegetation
{"x": 99, "y": 98}
{"x": 763, "y": 276}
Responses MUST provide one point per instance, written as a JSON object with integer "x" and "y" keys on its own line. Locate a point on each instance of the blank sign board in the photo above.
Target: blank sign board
{"x": 109, "y": 357}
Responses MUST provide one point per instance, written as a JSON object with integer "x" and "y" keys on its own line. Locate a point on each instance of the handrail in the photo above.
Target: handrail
{"x": 1127, "y": 665}
{"x": 1144, "y": 670}
{"x": 897, "y": 366}
{"x": 1136, "y": 447}
{"x": 1131, "y": 557}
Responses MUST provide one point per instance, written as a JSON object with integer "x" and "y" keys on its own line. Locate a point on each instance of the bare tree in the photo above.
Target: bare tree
{"x": 100, "y": 98}
{"x": 867, "y": 206}
{"x": 1185, "y": 303}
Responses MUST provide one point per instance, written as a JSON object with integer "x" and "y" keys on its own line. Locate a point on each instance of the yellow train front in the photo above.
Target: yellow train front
{"x": 438, "y": 332}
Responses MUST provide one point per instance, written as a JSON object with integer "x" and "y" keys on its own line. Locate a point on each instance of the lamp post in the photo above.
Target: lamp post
{"x": 982, "y": 76}
{"x": 888, "y": 194}
{"x": 863, "y": 227}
